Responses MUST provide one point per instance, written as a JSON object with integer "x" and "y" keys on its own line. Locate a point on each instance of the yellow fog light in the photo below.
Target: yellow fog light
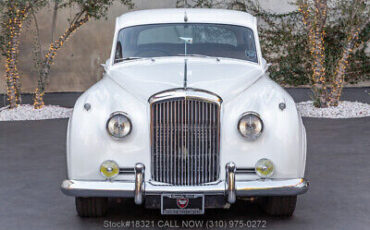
{"x": 109, "y": 169}
{"x": 264, "y": 168}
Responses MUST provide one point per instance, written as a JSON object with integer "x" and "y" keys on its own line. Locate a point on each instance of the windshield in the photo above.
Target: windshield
{"x": 159, "y": 40}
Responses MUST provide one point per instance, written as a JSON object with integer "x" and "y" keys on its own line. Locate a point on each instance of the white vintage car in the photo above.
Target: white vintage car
{"x": 185, "y": 119}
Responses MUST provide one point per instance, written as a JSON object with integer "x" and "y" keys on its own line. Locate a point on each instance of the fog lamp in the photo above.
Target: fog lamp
{"x": 264, "y": 168}
{"x": 109, "y": 169}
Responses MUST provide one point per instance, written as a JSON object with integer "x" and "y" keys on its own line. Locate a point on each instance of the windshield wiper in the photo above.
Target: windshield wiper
{"x": 196, "y": 55}
{"x": 126, "y": 59}
{"x": 200, "y": 55}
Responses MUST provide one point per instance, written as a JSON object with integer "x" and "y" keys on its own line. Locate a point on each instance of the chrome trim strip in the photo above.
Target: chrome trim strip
{"x": 157, "y": 183}
{"x": 186, "y": 93}
{"x": 245, "y": 171}
{"x": 98, "y": 188}
{"x": 271, "y": 187}
{"x": 261, "y": 187}
{"x": 126, "y": 170}
{"x": 215, "y": 189}
{"x": 230, "y": 187}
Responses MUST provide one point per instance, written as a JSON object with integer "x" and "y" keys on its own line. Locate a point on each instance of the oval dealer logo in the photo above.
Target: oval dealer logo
{"x": 182, "y": 202}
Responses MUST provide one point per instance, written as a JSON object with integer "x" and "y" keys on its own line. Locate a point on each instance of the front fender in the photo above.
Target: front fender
{"x": 89, "y": 144}
{"x": 283, "y": 139}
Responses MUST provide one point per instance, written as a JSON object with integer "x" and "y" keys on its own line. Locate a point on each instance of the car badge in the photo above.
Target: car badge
{"x": 182, "y": 202}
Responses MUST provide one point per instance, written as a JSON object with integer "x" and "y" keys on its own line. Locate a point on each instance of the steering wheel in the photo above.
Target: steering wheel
{"x": 151, "y": 52}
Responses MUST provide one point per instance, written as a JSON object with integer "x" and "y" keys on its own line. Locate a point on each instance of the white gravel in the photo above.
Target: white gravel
{"x": 27, "y": 112}
{"x": 345, "y": 109}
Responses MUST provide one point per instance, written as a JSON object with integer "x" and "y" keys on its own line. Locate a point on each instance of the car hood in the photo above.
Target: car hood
{"x": 145, "y": 77}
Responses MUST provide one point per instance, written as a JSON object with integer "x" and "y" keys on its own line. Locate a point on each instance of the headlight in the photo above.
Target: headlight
{"x": 264, "y": 168}
{"x": 250, "y": 126}
{"x": 109, "y": 169}
{"x": 118, "y": 125}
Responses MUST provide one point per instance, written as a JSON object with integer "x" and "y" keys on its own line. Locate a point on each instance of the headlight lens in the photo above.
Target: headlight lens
{"x": 250, "y": 126}
{"x": 109, "y": 169}
{"x": 118, "y": 125}
{"x": 264, "y": 168}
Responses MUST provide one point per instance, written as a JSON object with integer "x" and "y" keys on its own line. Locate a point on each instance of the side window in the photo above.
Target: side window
{"x": 250, "y": 47}
{"x": 118, "y": 54}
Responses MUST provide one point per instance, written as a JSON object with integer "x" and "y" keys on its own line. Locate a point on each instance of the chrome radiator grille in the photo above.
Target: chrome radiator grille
{"x": 185, "y": 141}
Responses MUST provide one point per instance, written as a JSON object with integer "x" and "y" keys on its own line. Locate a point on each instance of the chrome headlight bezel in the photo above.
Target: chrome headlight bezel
{"x": 243, "y": 118}
{"x": 127, "y": 125}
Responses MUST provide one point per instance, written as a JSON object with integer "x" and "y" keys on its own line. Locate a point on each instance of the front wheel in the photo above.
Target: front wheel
{"x": 91, "y": 206}
{"x": 280, "y": 205}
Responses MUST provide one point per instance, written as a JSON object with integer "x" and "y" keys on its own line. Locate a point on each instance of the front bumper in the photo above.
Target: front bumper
{"x": 230, "y": 188}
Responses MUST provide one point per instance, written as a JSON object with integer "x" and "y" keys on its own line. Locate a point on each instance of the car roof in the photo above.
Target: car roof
{"x": 157, "y": 16}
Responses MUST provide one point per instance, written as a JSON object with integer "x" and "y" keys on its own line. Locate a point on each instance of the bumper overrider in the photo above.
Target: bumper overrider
{"x": 230, "y": 188}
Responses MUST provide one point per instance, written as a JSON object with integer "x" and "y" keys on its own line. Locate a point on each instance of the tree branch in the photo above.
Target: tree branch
{"x": 54, "y": 21}
{"x": 37, "y": 32}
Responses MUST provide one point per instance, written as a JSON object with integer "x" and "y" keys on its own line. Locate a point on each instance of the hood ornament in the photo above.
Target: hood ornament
{"x": 186, "y": 41}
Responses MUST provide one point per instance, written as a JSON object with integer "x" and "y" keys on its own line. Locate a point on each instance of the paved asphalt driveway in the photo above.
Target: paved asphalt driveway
{"x": 32, "y": 166}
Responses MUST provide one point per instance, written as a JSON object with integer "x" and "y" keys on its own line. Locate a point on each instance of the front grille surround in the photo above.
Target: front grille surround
{"x": 185, "y": 137}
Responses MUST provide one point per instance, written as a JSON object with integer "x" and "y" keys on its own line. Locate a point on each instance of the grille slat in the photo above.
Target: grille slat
{"x": 202, "y": 112}
{"x": 185, "y": 136}
{"x": 199, "y": 159}
{"x": 209, "y": 142}
{"x": 161, "y": 141}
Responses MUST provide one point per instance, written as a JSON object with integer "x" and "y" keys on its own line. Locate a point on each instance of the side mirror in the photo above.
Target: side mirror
{"x": 106, "y": 65}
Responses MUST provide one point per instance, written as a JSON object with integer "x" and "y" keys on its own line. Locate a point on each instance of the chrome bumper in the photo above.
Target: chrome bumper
{"x": 229, "y": 187}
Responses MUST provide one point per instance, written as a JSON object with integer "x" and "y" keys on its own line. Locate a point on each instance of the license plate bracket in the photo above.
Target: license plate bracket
{"x": 182, "y": 204}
